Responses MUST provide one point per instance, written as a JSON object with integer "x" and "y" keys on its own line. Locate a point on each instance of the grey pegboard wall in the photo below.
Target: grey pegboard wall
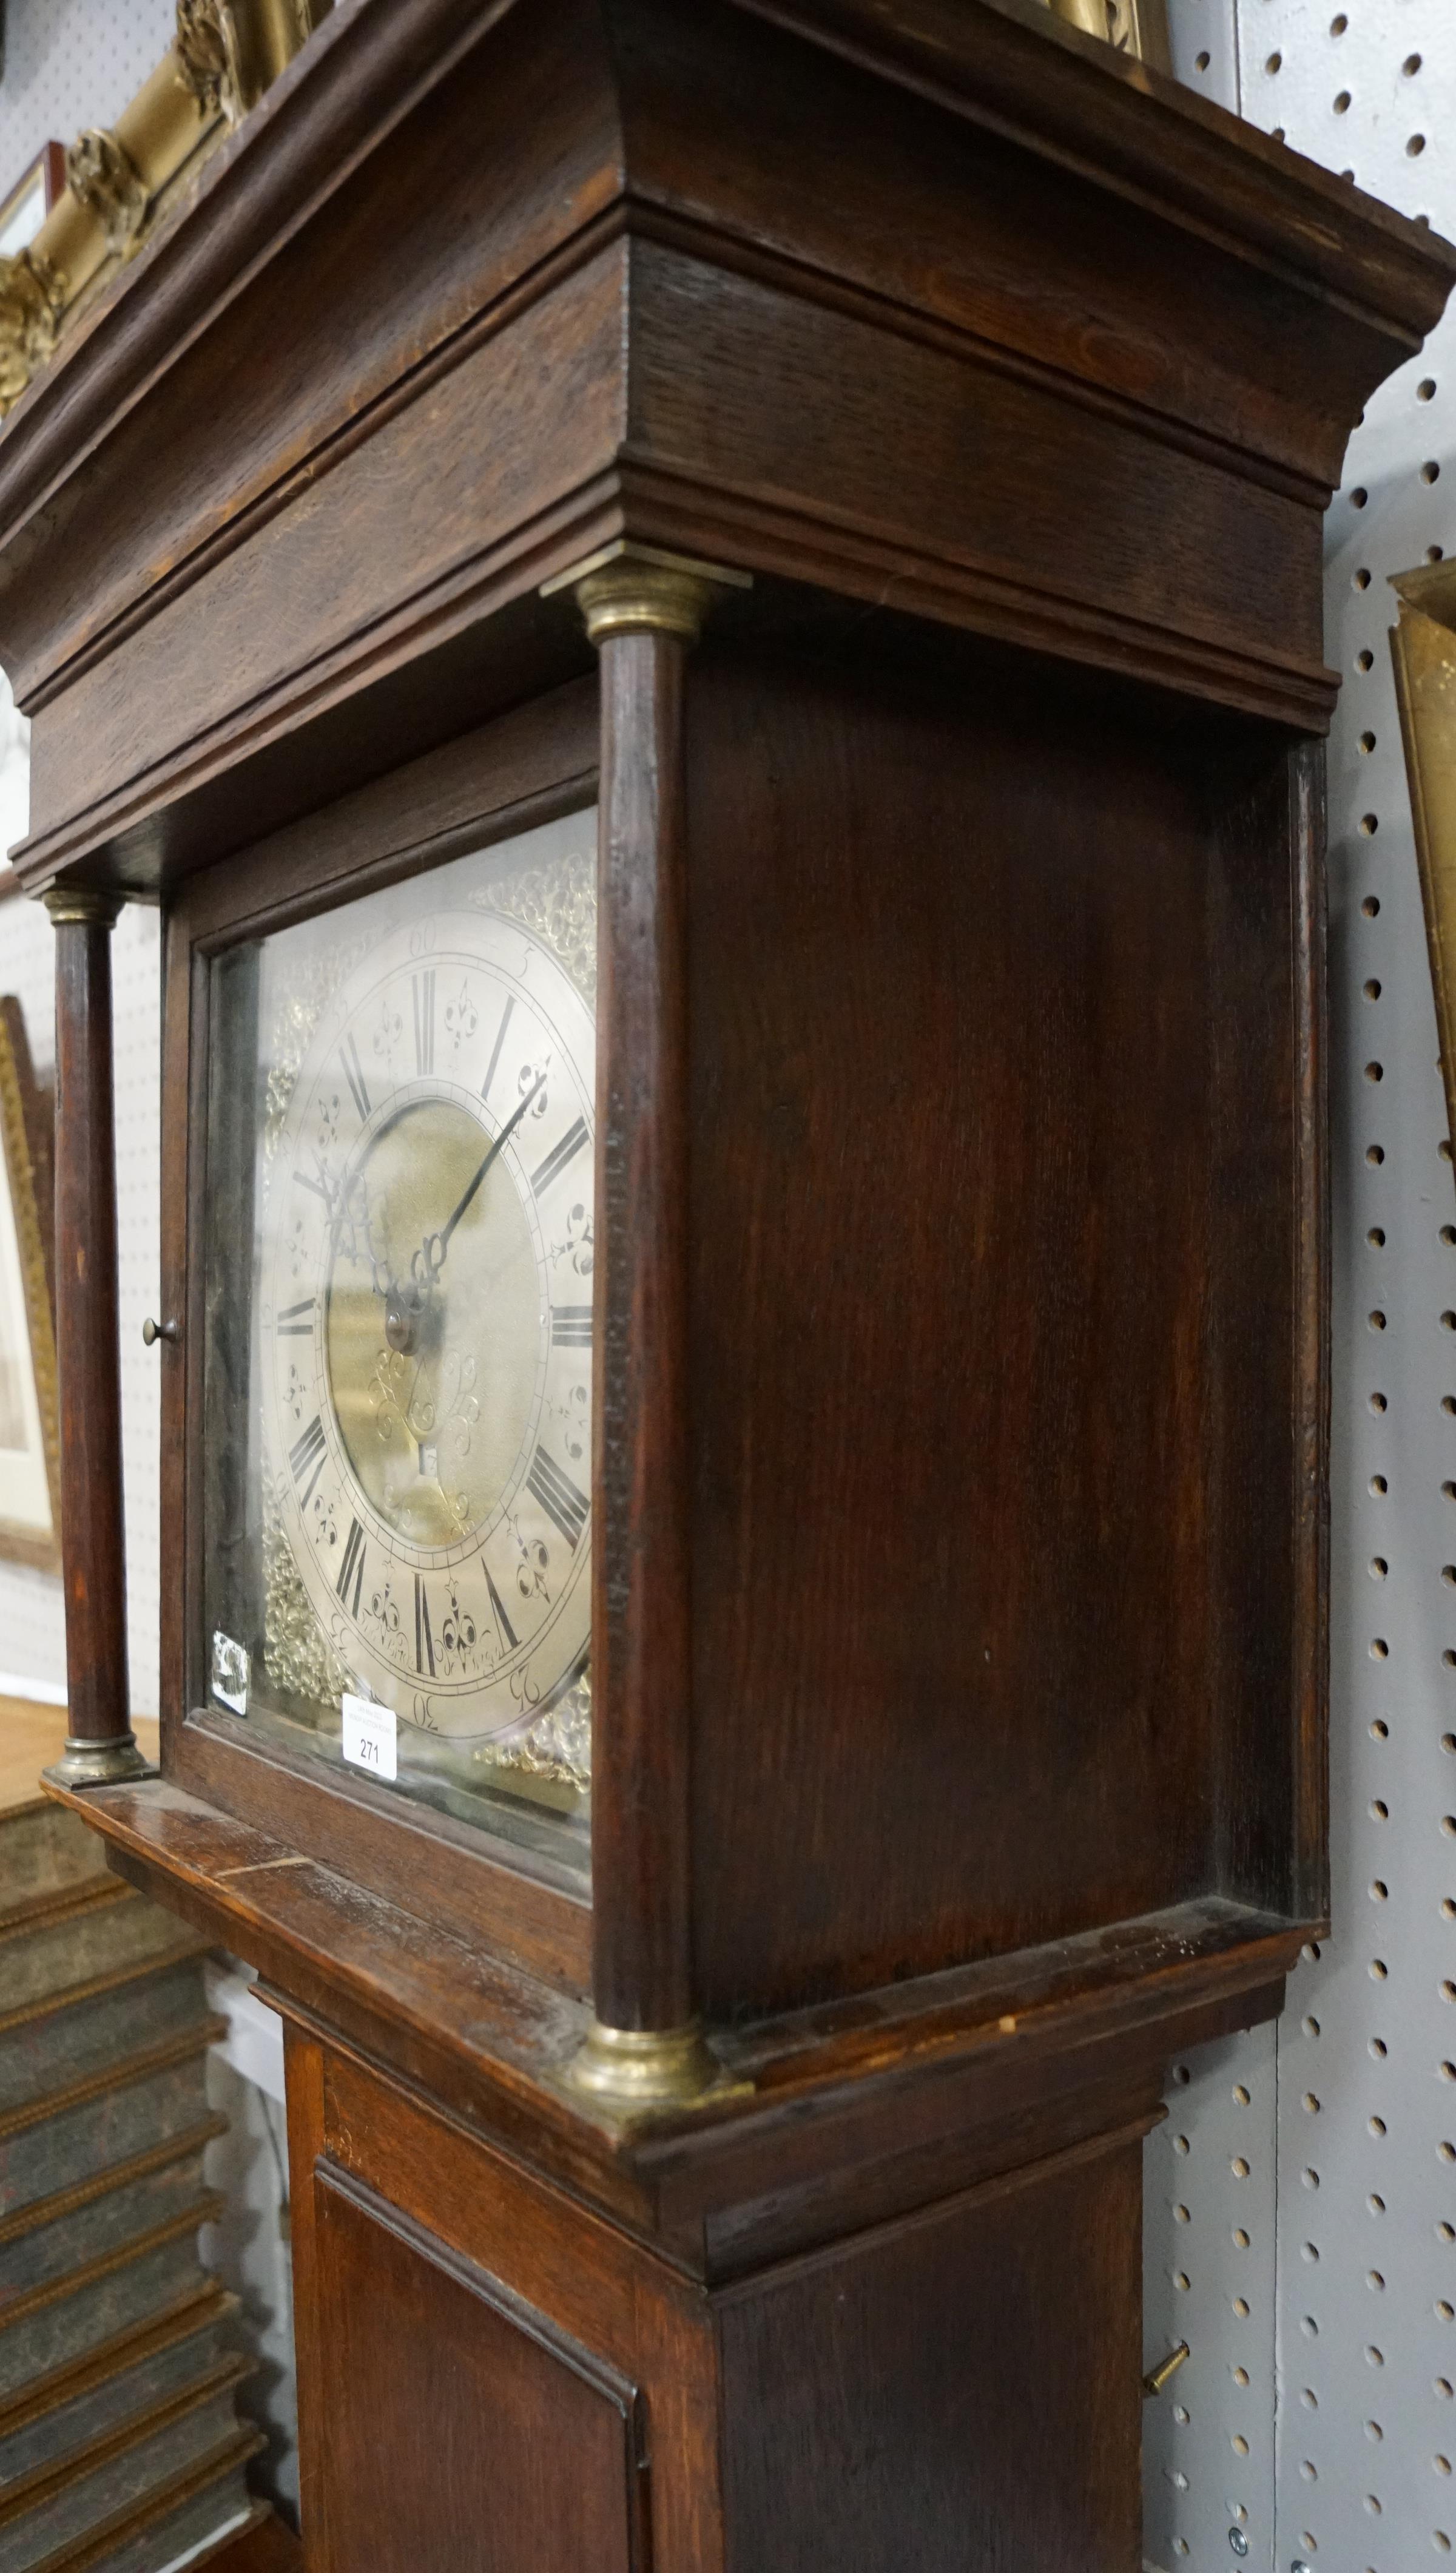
{"x": 1359, "y": 2118}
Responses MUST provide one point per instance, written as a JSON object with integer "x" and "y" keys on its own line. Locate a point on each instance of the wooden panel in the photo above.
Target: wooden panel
{"x": 464, "y": 2429}
{"x": 973, "y": 2397}
{"x": 970, "y": 1619}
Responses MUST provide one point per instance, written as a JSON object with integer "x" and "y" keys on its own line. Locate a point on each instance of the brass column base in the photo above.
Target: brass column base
{"x": 653, "y": 2068}
{"x": 100, "y": 1763}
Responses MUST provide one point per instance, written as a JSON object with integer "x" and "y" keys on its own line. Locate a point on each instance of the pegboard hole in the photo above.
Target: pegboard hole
{"x": 1378, "y": 1403}
{"x": 1374, "y": 2279}
{"x": 1411, "y": 66}
{"x": 1362, "y": 579}
{"x": 1372, "y": 2504}
{"x": 1441, "y": 2385}
{"x": 1273, "y": 63}
{"x": 1448, "y": 1234}
{"x": 1414, "y": 148}
{"x": 1374, "y": 1155}
{"x": 1182, "y": 2076}
{"x": 1365, "y": 660}
{"x": 1374, "y": 2357}
{"x": 1240, "y": 2238}
{"x": 1311, "y": 2103}
{"x": 1309, "y": 2399}
{"x": 1309, "y": 2252}
{"x": 1241, "y": 2095}
{"x": 1371, "y": 905}
{"x": 1435, "y": 554}
{"x": 1241, "y": 2308}
{"x": 1379, "y": 1813}
{"x": 1378, "y": 1567}
{"x": 1372, "y": 988}
{"x": 1446, "y": 2152}
{"x": 1181, "y": 2216}
{"x": 1430, "y": 471}
{"x": 1338, "y": 25}
{"x": 1201, "y": 62}
{"x": 1367, "y": 744}
{"x": 1310, "y": 1951}
{"x": 1239, "y": 2375}
{"x": 1374, "y": 2431}
{"x": 1377, "y": 1320}
{"x": 1440, "y": 2541}
{"x": 1180, "y": 2281}
{"x": 1375, "y": 2205}
{"x": 1426, "y": 389}
{"x": 1180, "y": 2144}
{"x": 1378, "y": 1484}
{"x": 1374, "y": 1072}
{"x": 1446, "y": 2232}
{"x": 1342, "y": 102}
{"x": 1445, "y": 2312}
{"x": 1370, "y": 824}
{"x": 1379, "y": 1892}
{"x": 1376, "y": 2125}
{"x": 1309, "y": 2471}
{"x": 1239, "y": 2444}
{"x": 1379, "y": 1652}
{"x": 1239, "y": 2167}
{"x": 1448, "y": 1991}
{"x": 1380, "y": 1969}
{"x": 1380, "y": 2049}
{"x": 1310, "y": 2178}
{"x": 1359, "y": 496}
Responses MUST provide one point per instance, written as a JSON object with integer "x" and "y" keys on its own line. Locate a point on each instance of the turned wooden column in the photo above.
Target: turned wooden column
{"x": 100, "y": 1745}
{"x": 643, "y": 611}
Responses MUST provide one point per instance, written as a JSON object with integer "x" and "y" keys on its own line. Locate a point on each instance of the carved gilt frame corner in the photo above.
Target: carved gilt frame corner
{"x": 26, "y": 1168}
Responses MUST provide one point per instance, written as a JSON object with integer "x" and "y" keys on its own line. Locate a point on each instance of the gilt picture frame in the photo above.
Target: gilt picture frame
{"x": 30, "y": 1510}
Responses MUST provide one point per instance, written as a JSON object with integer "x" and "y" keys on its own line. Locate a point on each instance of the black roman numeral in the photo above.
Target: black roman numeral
{"x": 558, "y": 1496}
{"x": 351, "y": 1570}
{"x": 557, "y": 1159}
{"x": 503, "y": 1626}
{"x": 424, "y": 1639}
{"x": 290, "y": 1328}
{"x": 494, "y": 1062}
{"x": 354, "y": 1074}
{"x": 306, "y": 1456}
{"x": 571, "y": 1326}
{"x": 424, "y": 1021}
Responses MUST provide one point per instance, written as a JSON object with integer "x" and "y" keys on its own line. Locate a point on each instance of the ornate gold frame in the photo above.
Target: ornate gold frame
{"x": 119, "y": 179}
{"x": 1423, "y": 650}
{"x": 25, "y": 1164}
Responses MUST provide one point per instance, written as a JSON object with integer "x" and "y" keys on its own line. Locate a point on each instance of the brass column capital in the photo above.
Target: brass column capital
{"x": 91, "y": 904}
{"x": 629, "y": 2069}
{"x": 630, "y": 588}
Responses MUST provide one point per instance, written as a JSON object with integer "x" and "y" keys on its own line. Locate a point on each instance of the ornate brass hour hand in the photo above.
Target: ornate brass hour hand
{"x": 430, "y": 1259}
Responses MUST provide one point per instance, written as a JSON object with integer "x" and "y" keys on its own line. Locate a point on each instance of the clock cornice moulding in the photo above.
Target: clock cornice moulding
{"x": 579, "y": 242}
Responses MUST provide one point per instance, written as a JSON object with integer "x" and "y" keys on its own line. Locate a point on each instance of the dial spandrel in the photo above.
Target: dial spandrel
{"x": 417, "y": 1425}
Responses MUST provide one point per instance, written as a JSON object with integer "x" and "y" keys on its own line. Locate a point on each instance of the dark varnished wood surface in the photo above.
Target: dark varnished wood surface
{"x": 517, "y": 2451}
{"x": 993, "y": 1304}
{"x": 642, "y": 1968}
{"x": 463, "y": 204}
{"x": 894, "y": 2091}
{"x": 88, "y": 1357}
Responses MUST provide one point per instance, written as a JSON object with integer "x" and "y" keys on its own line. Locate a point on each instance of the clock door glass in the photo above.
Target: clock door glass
{"x": 397, "y": 1371}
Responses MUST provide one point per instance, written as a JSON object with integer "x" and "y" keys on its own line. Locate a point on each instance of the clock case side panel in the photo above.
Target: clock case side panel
{"x": 1007, "y": 1314}
{"x": 523, "y": 769}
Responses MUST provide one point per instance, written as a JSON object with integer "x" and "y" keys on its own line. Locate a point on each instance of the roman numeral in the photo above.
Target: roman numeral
{"x": 424, "y": 1021}
{"x": 351, "y": 1570}
{"x": 424, "y": 1639}
{"x": 303, "y": 1181}
{"x": 354, "y": 1074}
{"x": 503, "y": 1626}
{"x": 557, "y": 1159}
{"x": 494, "y": 1064}
{"x": 290, "y": 1328}
{"x": 571, "y": 1326}
{"x": 565, "y": 1507}
{"x": 306, "y": 1456}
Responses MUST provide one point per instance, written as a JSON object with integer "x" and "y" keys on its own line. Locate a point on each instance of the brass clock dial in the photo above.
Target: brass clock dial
{"x": 427, "y": 1320}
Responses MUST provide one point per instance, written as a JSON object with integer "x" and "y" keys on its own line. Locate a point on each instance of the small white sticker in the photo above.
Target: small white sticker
{"x": 230, "y": 1672}
{"x": 370, "y": 1737}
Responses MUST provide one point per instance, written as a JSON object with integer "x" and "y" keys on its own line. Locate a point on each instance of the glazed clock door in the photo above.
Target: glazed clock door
{"x": 399, "y": 1253}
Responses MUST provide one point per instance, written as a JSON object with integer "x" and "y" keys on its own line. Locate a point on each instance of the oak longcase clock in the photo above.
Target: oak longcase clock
{"x": 736, "y": 801}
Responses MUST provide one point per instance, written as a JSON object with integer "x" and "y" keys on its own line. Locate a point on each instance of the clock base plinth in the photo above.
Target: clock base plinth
{"x": 100, "y": 1763}
{"x": 654, "y": 2067}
